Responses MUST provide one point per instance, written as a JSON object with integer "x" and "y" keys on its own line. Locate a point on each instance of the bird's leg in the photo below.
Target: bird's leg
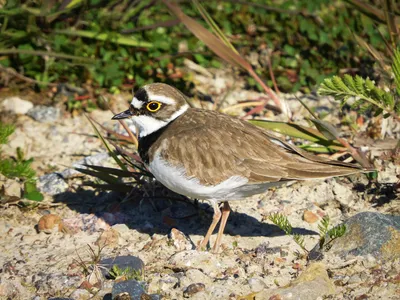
{"x": 226, "y": 209}
{"x": 216, "y": 218}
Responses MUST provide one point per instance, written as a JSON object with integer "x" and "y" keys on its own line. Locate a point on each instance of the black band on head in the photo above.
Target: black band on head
{"x": 141, "y": 95}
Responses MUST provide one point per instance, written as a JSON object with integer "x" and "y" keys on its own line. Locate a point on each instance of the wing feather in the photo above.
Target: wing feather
{"x": 214, "y": 147}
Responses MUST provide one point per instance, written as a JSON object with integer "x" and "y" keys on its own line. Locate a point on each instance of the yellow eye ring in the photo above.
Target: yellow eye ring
{"x": 153, "y": 106}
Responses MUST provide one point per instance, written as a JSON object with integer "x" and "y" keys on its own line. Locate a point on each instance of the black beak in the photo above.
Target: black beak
{"x": 123, "y": 115}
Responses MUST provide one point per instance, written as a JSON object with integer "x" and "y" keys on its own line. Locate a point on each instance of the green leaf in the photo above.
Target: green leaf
{"x": 30, "y": 187}
{"x": 34, "y": 196}
{"x": 31, "y": 192}
{"x": 5, "y": 131}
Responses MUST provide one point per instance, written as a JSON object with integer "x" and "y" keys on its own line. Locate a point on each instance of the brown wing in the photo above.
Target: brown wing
{"x": 213, "y": 147}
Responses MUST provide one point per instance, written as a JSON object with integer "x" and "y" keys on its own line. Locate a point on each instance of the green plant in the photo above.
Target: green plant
{"x": 116, "y": 44}
{"x": 126, "y": 274}
{"x": 333, "y": 233}
{"x": 92, "y": 268}
{"x": 18, "y": 167}
{"x": 368, "y": 97}
{"x": 283, "y": 223}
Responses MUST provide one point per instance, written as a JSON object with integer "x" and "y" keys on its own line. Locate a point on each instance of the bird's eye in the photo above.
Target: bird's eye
{"x": 153, "y": 106}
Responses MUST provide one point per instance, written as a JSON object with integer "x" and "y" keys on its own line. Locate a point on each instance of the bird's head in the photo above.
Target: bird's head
{"x": 153, "y": 107}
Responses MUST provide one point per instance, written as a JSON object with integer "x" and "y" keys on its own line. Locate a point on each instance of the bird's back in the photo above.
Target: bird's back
{"x": 212, "y": 147}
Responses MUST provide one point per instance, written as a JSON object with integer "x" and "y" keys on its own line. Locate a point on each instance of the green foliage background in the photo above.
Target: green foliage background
{"x": 109, "y": 44}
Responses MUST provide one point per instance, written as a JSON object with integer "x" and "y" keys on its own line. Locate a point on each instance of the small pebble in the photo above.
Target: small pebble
{"x": 16, "y": 105}
{"x": 193, "y": 289}
{"x": 48, "y": 223}
{"x": 310, "y": 217}
{"x": 108, "y": 238}
{"x": 180, "y": 240}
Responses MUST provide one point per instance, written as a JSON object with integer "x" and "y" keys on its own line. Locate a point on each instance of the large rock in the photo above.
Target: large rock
{"x": 16, "y": 105}
{"x": 369, "y": 233}
{"x": 44, "y": 114}
{"x": 313, "y": 283}
{"x": 130, "y": 287}
{"x": 131, "y": 263}
{"x": 52, "y": 184}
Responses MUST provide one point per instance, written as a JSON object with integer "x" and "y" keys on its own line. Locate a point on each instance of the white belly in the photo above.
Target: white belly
{"x": 234, "y": 188}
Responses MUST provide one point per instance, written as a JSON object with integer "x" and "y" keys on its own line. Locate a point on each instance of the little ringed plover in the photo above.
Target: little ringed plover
{"x": 211, "y": 156}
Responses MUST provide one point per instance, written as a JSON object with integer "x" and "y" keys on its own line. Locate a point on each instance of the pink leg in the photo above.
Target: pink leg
{"x": 216, "y": 218}
{"x": 226, "y": 209}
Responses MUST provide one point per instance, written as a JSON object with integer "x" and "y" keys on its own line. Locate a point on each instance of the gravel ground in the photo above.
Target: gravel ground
{"x": 257, "y": 260}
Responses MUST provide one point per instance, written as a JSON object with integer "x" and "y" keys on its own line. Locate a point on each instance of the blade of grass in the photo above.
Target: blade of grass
{"x": 318, "y": 149}
{"x": 298, "y": 131}
{"x": 330, "y": 133}
{"x": 369, "y": 10}
{"x": 111, "y": 187}
{"x": 113, "y": 171}
{"x": 115, "y": 38}
{"x": 115, "y": 157}
{"x": 100, "y": 175}
{"x": 223, "y": 51}
{"x": 223, "y": 38}
{"x": 44, "y": 53}
{"x": 206, "y": 16}
{"x": 326, "y": 129}
{"x": 390, "y": 17}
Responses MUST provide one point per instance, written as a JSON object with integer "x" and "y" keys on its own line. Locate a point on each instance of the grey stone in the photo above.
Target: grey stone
{"x": 44, "y": 114}
{"x": 52, "y": 184}
{"x": 56, "y": 283}
{"x": 167, "y": 283}
{"x": 132, "y": 287}
{"x": 369, "y": 233}
{"x": 180, "y": 240}
{"x": 122, "y": 262}
{"x": 122, "y": 229}
{"x": 16, "y": 105}
{"x": 96, "y": 159}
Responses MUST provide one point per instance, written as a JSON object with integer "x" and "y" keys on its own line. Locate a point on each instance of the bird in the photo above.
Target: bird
{"x": 208, "y": 155}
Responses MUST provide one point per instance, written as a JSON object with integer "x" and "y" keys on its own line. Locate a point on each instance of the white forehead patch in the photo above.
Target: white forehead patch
{"x": 136, "y": 103}
{"x": 149, "y": 124}
{"x": 161, "y": 98}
